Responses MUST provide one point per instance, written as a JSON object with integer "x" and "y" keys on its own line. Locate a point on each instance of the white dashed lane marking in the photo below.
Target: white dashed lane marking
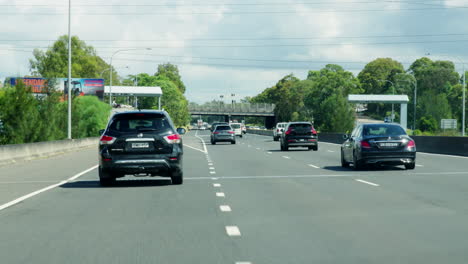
{"x": 214, "y": 179}
{"x": 225, "y": 208}
{"x": 220, "y": 194}
{"x": 233, "y": 231}
{"x": 286, "y": 157}
{"x": 313, "y": 166}
{"x": 212, "y": 172}
{"x": 217, "y": 185}
{"x": 270, "y": 152}
{"x": 257, "y": 148}
{"x": 369, "y": 183}
{"x": 212, "y": 168}
{"x": 418, "y": 165}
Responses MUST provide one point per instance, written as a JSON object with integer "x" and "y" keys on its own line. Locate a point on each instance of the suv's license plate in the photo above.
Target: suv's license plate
{"x": 389, "y": 144}
{"x": 301, "y": 139}
{"x": 140, "y": 145}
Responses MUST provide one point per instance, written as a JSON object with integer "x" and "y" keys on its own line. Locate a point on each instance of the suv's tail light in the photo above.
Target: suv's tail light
{"x": 288, "y": 131}
{"x": 216, "y": 133}
{"x": 107, "y": 140}
{"x": 411, "y": 144}
{"x": 231, "y": 132}
{"x": 365, "y": 144}
{"x": 277, "y": 130}
{"x": 313, "y": 131}
{"x": 173, "y": 139}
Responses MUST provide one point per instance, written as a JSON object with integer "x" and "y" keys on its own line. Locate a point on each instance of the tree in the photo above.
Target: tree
{"x": 172, "y": 73}
{"x": 89, "y": 116}
{"x": 373, "y": 80}
{"x": 53, "y": 63}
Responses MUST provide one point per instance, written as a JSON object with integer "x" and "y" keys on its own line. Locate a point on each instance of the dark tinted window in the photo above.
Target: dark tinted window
{"x": 223, "y": 128}
{"x": 383, "y": 130}
{"x": 301, "y": 126}
{"x": 138, "y": 122}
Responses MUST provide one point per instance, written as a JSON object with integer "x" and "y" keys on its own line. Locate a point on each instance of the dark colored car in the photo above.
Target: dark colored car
{"x": 378, "y": 144}
{"x": 213, "y": 126}
{"x": 140, "y": 143}
{"x": 223, "y": 133}
{"x": 299, "y": 134}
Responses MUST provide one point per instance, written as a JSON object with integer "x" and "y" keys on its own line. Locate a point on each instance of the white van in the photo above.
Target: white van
{"x": 237, "y": 127}
{"x": 278, "y": 131}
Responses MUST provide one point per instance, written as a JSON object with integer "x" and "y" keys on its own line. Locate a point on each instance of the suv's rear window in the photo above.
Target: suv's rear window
{"x": 223, "y": 128}
{"x": 300, "y": 126}
{"x": 139, "y": 122}
{"x": 383, "y": 130}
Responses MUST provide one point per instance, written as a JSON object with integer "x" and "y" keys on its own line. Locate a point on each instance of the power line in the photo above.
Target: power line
{"x": 236, "y": 12}
{"x": 247, "y": 39}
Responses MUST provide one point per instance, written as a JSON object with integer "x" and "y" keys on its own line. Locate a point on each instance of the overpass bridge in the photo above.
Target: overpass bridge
{"x": 241, "y": 110}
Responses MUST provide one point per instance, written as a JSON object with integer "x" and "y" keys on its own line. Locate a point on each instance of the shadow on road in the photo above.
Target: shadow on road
{"x": 290, "y": 150}
{"x": 367, "y": 168}
{"x": 118, "y": 184}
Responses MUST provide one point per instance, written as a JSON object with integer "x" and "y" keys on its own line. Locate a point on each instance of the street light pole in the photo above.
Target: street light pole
{"x": 393, "y": 92}
{"x": 69, "y": 133}
{"x": 110, "y": 73}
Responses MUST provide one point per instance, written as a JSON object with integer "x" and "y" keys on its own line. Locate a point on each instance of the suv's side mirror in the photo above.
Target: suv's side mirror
{"x": 181, "y": 131}
{"x": 345, "y": 136}
{"x": 101, "y": 132}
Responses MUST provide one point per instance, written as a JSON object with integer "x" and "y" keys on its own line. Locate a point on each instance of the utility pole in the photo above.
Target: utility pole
{"x": 69, "y": 73}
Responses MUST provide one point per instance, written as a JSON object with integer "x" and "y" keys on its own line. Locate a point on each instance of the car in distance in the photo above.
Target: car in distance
{"x": 378, "y": 144}
{"x": 237, "y": 127}
{"x": 278, "y": 131}
{"x": 299, "y": 134}
{"x": 140, "y": 143}
{"x": 223, "y": 133}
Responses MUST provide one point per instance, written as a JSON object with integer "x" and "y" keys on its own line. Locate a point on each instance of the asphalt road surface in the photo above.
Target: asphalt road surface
{"x": 243, "y": 203}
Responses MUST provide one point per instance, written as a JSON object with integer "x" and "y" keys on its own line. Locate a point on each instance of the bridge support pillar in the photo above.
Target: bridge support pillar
{"x": 227, "y": 118}
{"x": 270, "y": 122}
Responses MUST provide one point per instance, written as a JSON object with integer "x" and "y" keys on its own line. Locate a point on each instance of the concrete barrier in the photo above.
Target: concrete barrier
{"x": 21, "y": 152}
{"x": 457, "y": 146}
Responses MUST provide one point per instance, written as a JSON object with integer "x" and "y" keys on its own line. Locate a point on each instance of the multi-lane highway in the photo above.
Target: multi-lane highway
{"x": 243, "y": 203}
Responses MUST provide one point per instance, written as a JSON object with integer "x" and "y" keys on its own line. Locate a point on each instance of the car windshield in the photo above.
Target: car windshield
{"x": 383, "y": 130}
{"x": 139, "y": 122}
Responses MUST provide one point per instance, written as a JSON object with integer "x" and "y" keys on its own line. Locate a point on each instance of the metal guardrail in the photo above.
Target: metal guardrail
{"x": 233, "y": 108}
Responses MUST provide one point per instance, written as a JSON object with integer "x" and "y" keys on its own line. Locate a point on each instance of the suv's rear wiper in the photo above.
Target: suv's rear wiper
{"x": 147, "y": 129}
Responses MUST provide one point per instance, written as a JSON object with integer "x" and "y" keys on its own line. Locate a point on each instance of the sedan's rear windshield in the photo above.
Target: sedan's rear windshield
{"x": 223, "y": 128}
{"x": 140, "y": 122}
{"x": 383, "y": 130}
{"x": 235, "y": 126}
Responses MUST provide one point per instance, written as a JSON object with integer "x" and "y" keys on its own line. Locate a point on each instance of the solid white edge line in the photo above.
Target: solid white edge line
{"x": 233, "y": 231}
{"x": 188, "y": 146}
{"x": 203, "y": 142}
{"x": 225, "y": 208}
{"x": 27, "y": 196}
{"x": 369, "y": 183}
{"x": 220, "y": 194}
{"x": 243, "y": 262}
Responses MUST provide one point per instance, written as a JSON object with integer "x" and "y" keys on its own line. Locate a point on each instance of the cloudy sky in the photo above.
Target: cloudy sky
{"x": 239, "y": 47}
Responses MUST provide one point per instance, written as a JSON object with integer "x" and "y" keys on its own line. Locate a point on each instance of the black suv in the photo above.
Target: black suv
{"x": 141, "y": 143}
{"x": 299, "y": 134}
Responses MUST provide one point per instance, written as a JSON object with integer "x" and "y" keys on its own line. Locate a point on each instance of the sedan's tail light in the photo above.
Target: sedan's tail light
{"x": 411, "y": 144}
{"x": 216, "y": 133}
{"x": 173, "y": 139}
{"x": 107, "y": 140}
{"x": 365, "y": 145}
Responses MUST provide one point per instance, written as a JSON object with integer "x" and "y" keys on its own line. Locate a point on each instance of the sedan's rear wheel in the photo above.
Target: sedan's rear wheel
{"x": 356, "y": 163}
{"x": 213, "y": 142}
{"x": 410, "y": 166}
{"x": 275, "y": 138}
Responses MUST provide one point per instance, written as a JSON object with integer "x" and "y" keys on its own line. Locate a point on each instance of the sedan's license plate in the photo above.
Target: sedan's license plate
{"x": 389, "y": 145}
{"x": 140, "y": 145}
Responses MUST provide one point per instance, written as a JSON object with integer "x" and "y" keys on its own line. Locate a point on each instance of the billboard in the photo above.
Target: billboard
{"x": 80, "y": 86}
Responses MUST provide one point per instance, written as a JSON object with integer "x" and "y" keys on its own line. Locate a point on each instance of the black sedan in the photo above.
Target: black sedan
{"x": 378, "y": 144}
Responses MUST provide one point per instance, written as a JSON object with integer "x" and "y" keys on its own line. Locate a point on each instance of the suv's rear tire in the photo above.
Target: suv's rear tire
{"x": 213, "y": 142}
{"x": 233, "y": 142}
{"x": 105, "y": 178}
{"x": 275, "y": 138}
{"x": 177, "y": 178}
{"x": 315, "y": 148}
{"x": 410, "y": 166}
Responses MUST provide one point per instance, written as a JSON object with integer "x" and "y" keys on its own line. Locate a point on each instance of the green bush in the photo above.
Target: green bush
{"x": 89, "y": 116}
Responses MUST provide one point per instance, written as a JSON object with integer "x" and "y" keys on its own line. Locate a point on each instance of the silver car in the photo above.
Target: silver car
{"x": 223, "y": 133}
